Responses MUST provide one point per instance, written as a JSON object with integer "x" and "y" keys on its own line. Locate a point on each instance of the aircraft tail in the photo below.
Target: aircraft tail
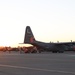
{"x": 28, "y": 38}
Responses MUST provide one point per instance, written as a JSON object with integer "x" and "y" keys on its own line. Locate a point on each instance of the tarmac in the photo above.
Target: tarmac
{"x": 46, "y": 63}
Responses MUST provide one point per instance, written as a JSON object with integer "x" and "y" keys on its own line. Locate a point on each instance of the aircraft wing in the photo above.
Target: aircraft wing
{"x": 66, "y": 43}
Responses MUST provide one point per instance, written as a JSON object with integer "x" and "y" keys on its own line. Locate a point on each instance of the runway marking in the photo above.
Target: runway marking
{"x": 37, "y": 69}
{"x": 72, "y": 55}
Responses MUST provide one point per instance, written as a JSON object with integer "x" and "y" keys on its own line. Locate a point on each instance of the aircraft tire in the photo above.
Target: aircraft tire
{"x": 61, "y": 51}
{"x": 54, "y": 51}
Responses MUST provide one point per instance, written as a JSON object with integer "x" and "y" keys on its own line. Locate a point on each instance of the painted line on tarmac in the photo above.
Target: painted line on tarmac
{"x": 72, "y": 55}
{"x": 37, "y": 69}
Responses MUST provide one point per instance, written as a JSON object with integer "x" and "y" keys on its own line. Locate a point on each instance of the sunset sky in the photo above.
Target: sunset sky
{"x": 50, "y": 20}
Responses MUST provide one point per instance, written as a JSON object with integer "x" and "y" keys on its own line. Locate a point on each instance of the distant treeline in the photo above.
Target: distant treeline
{"x": 30, "y": 49}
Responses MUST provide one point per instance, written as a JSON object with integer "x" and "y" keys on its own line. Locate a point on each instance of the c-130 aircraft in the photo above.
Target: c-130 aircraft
{"x": 54, "y": 47}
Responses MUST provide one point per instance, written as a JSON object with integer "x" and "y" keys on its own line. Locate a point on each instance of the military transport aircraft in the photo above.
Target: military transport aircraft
{"x": 54, "y": 47}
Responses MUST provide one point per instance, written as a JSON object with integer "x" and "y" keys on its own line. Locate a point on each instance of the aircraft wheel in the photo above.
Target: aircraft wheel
{"x": 61, "y": 51}
{"x": 54, "y": 51}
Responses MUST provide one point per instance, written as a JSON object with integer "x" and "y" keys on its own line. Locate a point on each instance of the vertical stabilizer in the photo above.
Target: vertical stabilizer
{"x": 28, "y": 38}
